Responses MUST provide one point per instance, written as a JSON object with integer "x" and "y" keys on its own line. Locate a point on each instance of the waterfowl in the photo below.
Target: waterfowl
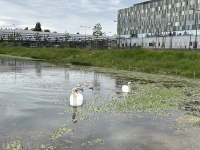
{"x": 127, "y": 88}
{"x": 79, "y": 87}
{"x": 91, "y": 87}
{"x": 76, "y": 99}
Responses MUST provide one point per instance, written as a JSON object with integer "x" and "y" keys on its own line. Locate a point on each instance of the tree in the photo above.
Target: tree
{"x": 18, "y": 36}
{"x": 11, "y": 37}
{"x": 67, "y": 36}
{"x": 97, "y": 30}
{"x": 46, "y": 30}
{"x": 26, "y": 28}
{"x": 37, "y": 37}
{"x": 37, "y": 27}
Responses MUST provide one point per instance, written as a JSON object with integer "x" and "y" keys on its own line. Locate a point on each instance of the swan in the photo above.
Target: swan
{"x": 127, "y": 88}
{"x": 76, "y": 99}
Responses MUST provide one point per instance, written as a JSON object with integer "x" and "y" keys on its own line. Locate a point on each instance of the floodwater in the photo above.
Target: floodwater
{"x": 35, "y": 113}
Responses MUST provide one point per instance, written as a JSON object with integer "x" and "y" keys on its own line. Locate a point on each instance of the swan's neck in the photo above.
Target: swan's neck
{"x": 129, "y": 88}
{"x": 75, "y": 98}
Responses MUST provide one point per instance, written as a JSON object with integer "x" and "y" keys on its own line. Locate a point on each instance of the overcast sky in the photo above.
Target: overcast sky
{"x": 63, "y": 15}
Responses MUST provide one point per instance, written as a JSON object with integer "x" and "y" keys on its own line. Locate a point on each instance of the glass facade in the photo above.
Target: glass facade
{"x": 155, "y": 16}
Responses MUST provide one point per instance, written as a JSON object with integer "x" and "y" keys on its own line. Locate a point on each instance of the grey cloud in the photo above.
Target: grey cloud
{"x": 61, "y": 15}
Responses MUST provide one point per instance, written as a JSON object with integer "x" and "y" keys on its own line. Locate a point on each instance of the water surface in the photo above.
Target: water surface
{"x": 35, "y": 112}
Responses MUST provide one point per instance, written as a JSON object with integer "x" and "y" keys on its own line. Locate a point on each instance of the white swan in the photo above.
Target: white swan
{"x": 76, "y": 99}
{"x": 127, "y": 88}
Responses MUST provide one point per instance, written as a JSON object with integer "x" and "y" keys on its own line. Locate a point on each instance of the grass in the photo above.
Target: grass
{"x": 178, "y": 62}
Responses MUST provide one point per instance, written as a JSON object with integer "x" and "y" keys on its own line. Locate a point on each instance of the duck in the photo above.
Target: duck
{"x": 127, "y": 88}
{"x": 76, "y": 98}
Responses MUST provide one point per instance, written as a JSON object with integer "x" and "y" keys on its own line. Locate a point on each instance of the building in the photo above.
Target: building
{"x": 160, "y": 18}
{"x": 32, "y": 38}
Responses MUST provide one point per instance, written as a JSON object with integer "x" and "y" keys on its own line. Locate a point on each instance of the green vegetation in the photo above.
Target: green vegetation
{"x": 178, "y": 62}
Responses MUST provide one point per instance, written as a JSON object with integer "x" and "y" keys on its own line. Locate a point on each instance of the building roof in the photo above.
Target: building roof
{"x": 28, "y": 34}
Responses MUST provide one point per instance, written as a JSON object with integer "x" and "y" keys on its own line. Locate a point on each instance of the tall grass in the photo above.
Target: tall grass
{"x": 178, "y": 62}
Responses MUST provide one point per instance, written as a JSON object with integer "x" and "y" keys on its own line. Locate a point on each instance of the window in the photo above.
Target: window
{"x": 177, "y": 24}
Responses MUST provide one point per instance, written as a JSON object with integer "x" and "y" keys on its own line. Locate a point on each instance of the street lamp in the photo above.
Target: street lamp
{"x": 119, "y": 35}
{"x": 14, "y": 31}
{"x": 109, "y": 39}
{"x": 119, "y": 27}
{"x": 85, "y": 33}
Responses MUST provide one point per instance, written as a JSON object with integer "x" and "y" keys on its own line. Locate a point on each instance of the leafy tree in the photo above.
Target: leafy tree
{"x": 11, "y": 37}
{"x": 18, "y": 36}
{"x": 37, "y": 27}
{"x": 66, "y": 36}
{"x": 104, "y": 34}
{"x": 37, "y": 37}
{"x": 97, "y": 30}
{"x": 46, "y": 30}
{"x": 26, "y": 28}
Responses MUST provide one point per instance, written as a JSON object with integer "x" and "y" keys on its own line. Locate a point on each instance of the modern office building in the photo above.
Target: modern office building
{"x": 160, "y": 23}
{"x": 155, "y": 16}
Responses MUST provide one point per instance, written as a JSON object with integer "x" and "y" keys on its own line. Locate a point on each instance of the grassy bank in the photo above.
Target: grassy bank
{"x": 178, "y": 62}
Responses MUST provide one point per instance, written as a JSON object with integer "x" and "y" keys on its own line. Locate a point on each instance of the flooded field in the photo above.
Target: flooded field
{"x": 160, "y": 112}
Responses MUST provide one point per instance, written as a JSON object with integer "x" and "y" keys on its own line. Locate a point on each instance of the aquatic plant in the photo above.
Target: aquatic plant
{"x": 88, "y": 143}
{"x": 62, "y": 130}
{"x": 16, "y": 145}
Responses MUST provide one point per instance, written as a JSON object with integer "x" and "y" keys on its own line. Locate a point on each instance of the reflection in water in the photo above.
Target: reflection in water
{"x": 38, "y": 69}
{"x": 74, "y": 120}
{"x": 66, "y": 74}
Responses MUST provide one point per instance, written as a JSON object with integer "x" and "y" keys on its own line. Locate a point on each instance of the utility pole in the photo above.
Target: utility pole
{"x": 85, "y": 33}
{"x": 119, "y": 27}
{"x": 14, "y": 32}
